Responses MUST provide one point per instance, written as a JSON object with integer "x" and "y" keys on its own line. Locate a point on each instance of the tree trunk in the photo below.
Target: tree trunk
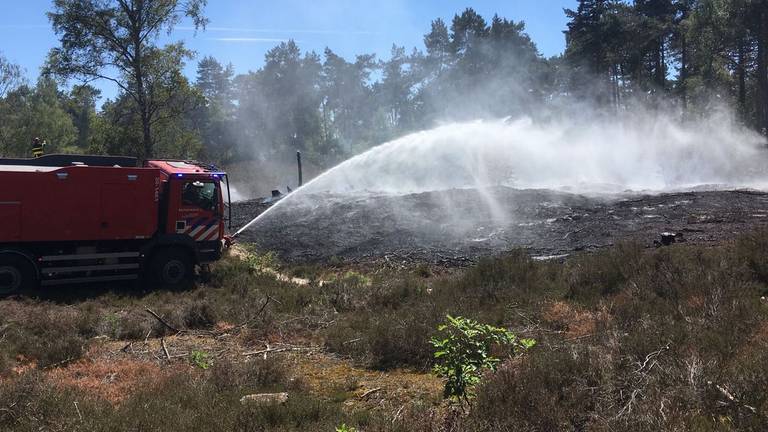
{"x": 741, "y": 73}
{"x": 138, "y": 75}
{"x": 762, "y": 69}
{"x": 661, "y": 61}
{"x": 657, "y": 63}
{"x": 684, "y": 72}
{"x": 146, "y": 135}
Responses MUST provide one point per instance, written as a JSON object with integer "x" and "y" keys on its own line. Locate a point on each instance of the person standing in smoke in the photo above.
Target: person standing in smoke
{"x": 38, "y": 147}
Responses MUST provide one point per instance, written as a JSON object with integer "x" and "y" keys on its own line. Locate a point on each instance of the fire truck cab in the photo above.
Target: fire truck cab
{"x": 73, "y": 219}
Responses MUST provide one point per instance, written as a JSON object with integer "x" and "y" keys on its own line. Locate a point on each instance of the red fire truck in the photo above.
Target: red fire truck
{"x": 72, "y": 219}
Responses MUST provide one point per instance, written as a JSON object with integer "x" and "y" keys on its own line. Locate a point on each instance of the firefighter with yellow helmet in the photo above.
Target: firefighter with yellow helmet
{"x": 38, "y": 147}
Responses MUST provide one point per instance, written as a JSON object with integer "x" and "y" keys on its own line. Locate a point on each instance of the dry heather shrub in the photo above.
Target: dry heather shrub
{"x": 572, "y": 319}
{"x": 199, "y": 315}
{"x": 592, "y": 277}
{"x": 178, "y": 402}
{"x": 752, "y": 250}
{"x": 549, "y": 391}
{"x": 113, "y": 381}
{"x": 135, "y": 325}
{"x": 386, "y": 339}
{"x": 254, "y": 376}
{"x": 514, "y": 276}
{"x": 47, "y": 337}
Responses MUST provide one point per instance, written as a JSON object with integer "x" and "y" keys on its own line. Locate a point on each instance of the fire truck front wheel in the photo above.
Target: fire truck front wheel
{"x": 17, "y": 274}
{"x": 172, "y": 267}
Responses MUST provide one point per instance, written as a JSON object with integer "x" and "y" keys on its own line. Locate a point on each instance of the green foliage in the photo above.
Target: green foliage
{"x": 258, "y": 261}
{"x": 344, "y": 428}
{"x": 26, "y": 113}
{"x": 200, "y": 359}
{"x": 463, "y": 352}
{"x": 695, "y": 54}
{"x": 104, "y": 40}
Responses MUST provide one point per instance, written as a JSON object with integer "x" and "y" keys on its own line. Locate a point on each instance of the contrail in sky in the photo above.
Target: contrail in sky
{"x": 23, "y": 26}
{"x": 258, "y": 30}
{"x": 247, "y": 39}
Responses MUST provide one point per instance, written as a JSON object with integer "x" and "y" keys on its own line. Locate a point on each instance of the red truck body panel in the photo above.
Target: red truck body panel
{"x": 78, "y": 203}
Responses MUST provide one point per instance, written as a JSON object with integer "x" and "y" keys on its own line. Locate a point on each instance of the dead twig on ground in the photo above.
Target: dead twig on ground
{"x": 263, "y": 307}
{"x": 165, "y": 348}
{"x": 643, "y": 370}
{"x": 61, "y": 363}
{"x": 571, "y": 339}
{"x": 397, "y": 415}
{"x": 650, "y": 357}
{"x": 731, "y": 397}
{"x": 370, "y": 392}
{"x": 78, "y": 411}
{"x": 162, "y": 321}
{"x": 278, "y": 350}
{"x": 628, "y": 407}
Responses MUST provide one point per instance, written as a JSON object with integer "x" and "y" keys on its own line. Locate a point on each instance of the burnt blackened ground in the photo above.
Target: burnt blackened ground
{"x": 456, "y": 227}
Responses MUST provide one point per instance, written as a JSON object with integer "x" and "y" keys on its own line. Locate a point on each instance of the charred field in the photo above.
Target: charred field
{"x": 456, "y": 227}
{"x": 630, "y": 335}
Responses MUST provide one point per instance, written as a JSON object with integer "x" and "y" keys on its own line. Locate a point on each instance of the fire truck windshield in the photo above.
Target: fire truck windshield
{"x": 199, "y": 194}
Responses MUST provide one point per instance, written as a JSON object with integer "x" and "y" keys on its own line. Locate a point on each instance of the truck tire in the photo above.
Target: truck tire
{"x": 17, "y": 274}
{"x": 172, "y": 268}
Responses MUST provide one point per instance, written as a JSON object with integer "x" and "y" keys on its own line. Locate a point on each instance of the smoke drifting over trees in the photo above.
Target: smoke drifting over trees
{"x": 685, "y": 56}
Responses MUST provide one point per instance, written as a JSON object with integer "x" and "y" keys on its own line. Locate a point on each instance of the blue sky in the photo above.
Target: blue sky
{"x": 241, "y": 31}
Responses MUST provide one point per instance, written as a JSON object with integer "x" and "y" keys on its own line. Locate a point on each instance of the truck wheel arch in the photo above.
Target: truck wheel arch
{"x": 171, "y": 241}
{"x": 171, "y": 267}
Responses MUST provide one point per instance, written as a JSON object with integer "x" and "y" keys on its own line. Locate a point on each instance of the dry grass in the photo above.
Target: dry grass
{"x": 111, "y": 380}
{"x": 629, "y": 339}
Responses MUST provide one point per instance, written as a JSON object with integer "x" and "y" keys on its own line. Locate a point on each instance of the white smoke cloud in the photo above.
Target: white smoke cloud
{"x": 236, "y": 195}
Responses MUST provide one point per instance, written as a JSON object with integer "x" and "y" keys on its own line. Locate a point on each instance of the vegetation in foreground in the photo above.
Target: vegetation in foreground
{"x": 668, "y": 339}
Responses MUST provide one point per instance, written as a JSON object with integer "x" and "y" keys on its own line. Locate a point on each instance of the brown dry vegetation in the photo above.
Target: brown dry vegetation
{"x": 629, "y": 338}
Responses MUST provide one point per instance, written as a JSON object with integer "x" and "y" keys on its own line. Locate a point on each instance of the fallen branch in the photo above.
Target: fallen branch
{"x": 278, "y": 350}
{"x": 628, "y": 407}
{"x": 61, "y": 363}
{"x": 78, "y": 411}
{"x": 165, "y": 349}
{"x": 731, "y": 397}
{"x": 162, "y": 321}
{"x": 370, "y": 392}
{"x": 397, "y": 415}
{"x": 652, "y": 356}
{"x": 264, "y": 306}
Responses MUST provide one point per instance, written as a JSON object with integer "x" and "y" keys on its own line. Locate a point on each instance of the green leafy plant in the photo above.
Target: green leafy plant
{"x": 200, "y": 359}
{"x": 462, "y": 352}
{"x": 345, "y": 428}
{"x": 258, "y": 262}
{"x": 113, "y": 321}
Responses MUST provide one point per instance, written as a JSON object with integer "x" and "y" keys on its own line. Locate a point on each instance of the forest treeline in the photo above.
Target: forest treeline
{"x": 685, "y": 56}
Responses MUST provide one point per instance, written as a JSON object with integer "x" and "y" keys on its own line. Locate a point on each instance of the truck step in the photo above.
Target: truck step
{"x": 89, "y": 279}
{"x": 78, "y": 257}
{"x": 132, "y": 266}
